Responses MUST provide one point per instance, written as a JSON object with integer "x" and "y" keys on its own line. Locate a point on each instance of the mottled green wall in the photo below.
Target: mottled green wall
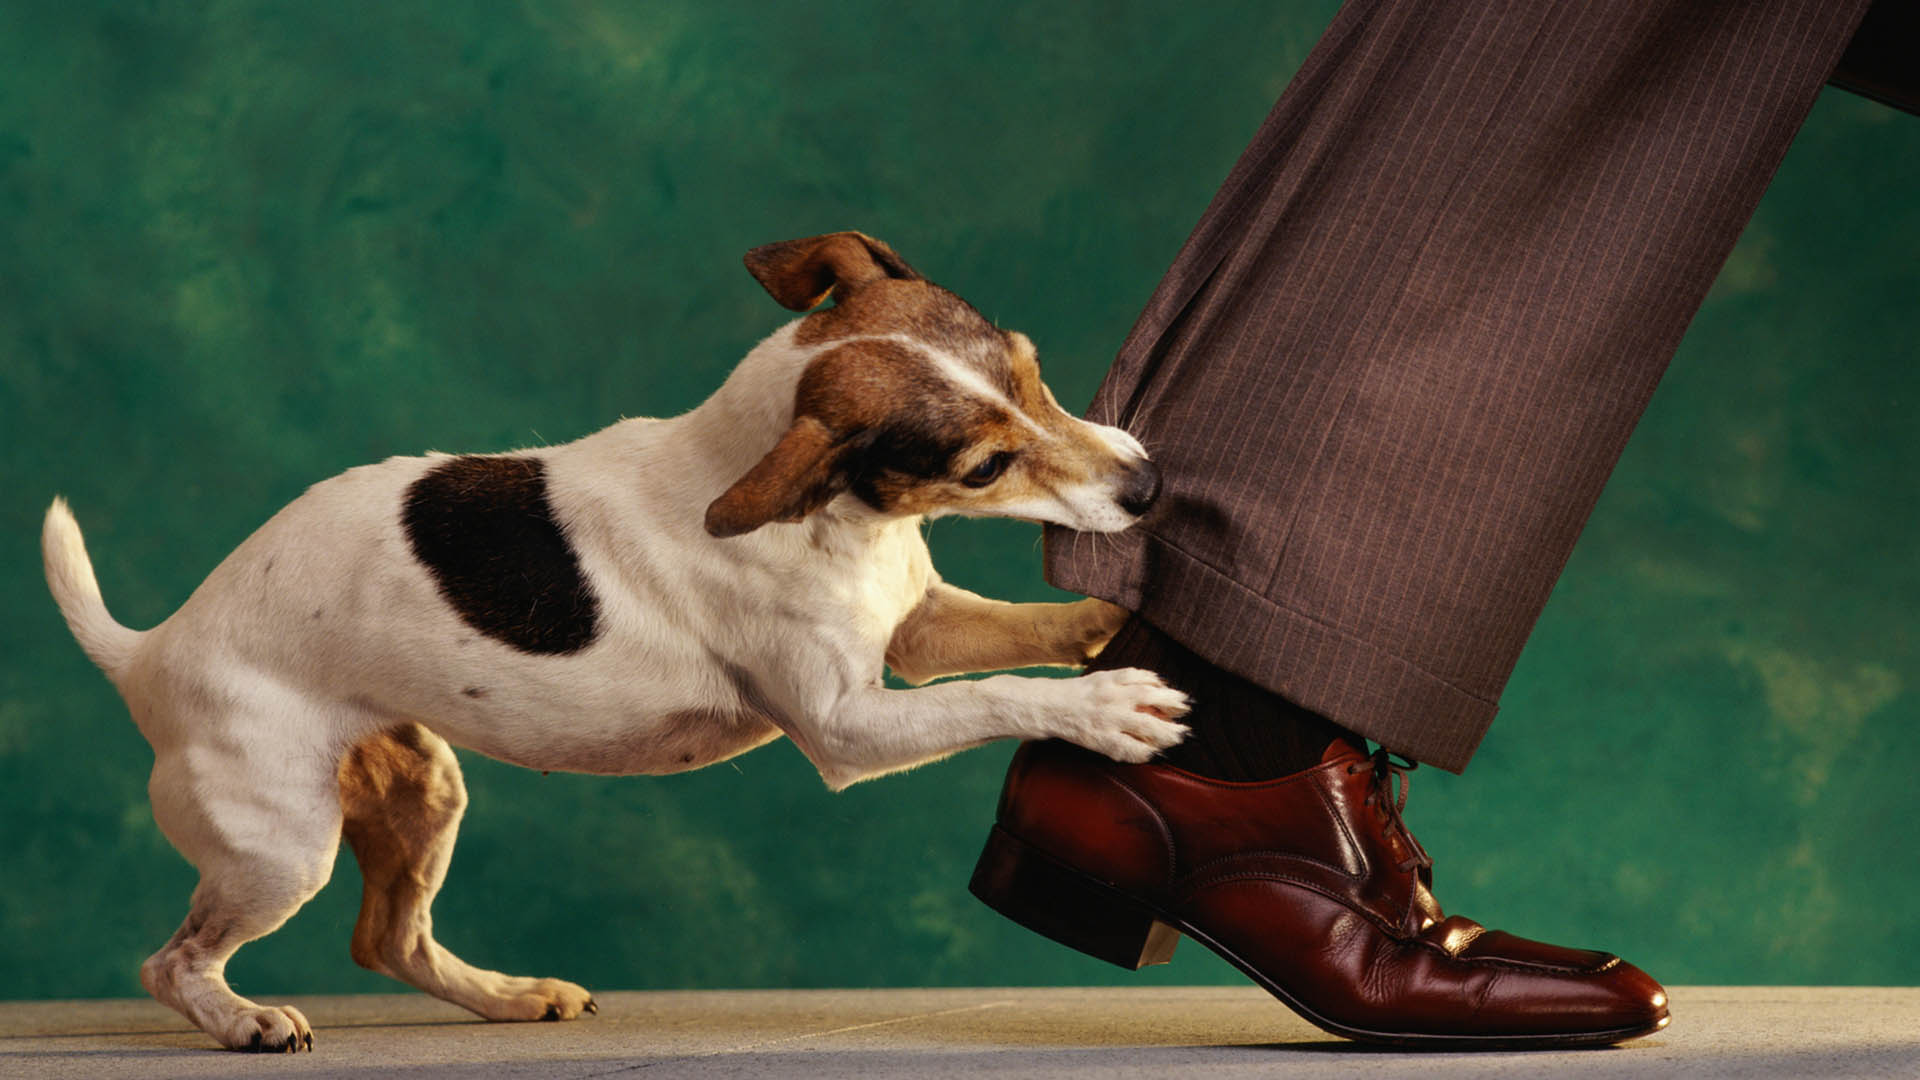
{"x": 246, "y": 245}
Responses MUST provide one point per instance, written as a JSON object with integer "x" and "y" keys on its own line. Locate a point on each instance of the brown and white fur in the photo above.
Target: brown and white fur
{"x": 655, "y": 597}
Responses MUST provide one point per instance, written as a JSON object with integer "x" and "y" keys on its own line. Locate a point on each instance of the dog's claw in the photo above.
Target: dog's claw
{"x": 591, "y": 1006}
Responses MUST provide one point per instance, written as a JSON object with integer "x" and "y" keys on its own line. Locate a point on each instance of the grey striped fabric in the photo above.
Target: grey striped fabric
{"x": 1389, "y": 372}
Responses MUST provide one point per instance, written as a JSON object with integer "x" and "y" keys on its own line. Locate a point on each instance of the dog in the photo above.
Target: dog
{"x": 655, "y": 597}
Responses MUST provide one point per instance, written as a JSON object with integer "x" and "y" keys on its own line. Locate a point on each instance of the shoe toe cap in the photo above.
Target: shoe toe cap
{"x": 1596, "y": 994}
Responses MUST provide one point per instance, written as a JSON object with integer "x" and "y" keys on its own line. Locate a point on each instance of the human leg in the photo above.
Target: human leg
{"x": 1391, "y": 369}
{"x": 1386, "y": 379}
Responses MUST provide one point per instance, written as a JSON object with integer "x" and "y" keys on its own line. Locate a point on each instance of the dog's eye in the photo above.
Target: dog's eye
{"x": 987, "y": 471}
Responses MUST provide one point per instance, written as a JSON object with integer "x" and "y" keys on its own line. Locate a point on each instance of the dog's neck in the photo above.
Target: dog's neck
{"x": 742, "y": 420}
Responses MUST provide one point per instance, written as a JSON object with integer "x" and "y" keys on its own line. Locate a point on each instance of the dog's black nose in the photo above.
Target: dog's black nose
{"x": 1141, "y": 488}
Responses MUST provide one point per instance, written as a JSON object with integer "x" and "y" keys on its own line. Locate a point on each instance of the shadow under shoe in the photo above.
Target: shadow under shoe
{"x": 1310, "y": 884}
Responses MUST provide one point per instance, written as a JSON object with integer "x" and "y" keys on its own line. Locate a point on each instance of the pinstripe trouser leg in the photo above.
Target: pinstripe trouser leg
{"x": 1389, "y": 372}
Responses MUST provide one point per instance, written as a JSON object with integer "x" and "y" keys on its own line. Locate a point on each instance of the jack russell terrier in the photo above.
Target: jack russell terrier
{"x": 658, "y": 596}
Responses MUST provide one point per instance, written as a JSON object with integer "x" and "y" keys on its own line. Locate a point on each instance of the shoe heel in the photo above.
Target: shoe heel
{"x": 1048, "y": 897}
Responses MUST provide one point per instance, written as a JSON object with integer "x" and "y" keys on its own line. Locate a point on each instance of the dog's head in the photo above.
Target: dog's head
{"x": 917, "y": 405}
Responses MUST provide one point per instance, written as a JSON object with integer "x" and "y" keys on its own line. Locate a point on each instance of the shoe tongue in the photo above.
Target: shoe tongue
{"x": 1343, "y": 748}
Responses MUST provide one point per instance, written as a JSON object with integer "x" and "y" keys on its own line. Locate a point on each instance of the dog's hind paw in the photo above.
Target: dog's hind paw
{"x": 270, "y": 1029}
{"x": 538, "y": 999}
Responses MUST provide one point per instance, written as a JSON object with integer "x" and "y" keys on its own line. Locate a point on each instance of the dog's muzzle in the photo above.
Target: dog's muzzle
{"x": 1140, "y": 488}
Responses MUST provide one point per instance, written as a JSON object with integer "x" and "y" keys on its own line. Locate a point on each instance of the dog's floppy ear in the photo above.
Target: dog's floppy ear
{"x": 796, "y": 478}
{"x": 801, "y": 273}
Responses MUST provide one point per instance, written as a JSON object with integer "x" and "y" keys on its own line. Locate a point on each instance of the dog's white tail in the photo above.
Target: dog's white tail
{"x": 70, "y": 577}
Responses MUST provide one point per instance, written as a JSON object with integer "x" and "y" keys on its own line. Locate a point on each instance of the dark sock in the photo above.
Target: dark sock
{"x": 1241, "y": 731}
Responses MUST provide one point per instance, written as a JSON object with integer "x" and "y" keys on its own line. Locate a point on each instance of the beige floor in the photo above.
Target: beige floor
{"x": 1202, "y": 1031}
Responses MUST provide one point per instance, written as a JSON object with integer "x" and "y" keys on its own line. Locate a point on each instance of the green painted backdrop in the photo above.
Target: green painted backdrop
{"x": 246, "y": 245}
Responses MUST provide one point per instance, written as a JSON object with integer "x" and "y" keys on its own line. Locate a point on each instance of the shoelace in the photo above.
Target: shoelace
{"x": 1384, "y": 798}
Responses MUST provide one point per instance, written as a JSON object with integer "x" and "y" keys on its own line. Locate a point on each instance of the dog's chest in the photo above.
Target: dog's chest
{"x": 877, "y": 584}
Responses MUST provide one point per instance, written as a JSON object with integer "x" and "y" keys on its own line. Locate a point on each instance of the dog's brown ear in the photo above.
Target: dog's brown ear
{"x": 801, "y": 273}
{"x": 796, "y": 477}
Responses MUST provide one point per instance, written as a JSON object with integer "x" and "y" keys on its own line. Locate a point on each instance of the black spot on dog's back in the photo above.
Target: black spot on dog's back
{"x": 483, "y": 527}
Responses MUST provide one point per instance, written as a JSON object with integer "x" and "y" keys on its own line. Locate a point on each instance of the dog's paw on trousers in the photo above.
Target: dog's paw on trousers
{"x": 1096, "y": 623}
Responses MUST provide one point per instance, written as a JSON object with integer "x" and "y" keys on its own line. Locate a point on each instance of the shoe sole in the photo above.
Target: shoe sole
{"x": 1060, "y": 902}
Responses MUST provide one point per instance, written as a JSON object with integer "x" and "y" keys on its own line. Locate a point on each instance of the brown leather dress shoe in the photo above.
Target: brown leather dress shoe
{"x": 1310, "y": 884}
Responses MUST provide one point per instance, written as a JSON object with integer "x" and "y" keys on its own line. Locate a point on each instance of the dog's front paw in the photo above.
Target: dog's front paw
{"x": 1096, "y": 621}
{"x": 1127, "y": 714}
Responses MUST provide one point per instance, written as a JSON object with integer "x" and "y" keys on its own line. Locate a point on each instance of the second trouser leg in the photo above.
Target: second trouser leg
{"x": 1392, "y": 368}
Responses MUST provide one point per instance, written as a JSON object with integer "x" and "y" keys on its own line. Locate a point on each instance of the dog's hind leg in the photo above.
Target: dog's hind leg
{"x": 262, "y": 825}
{"x": 402, "y": 797}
